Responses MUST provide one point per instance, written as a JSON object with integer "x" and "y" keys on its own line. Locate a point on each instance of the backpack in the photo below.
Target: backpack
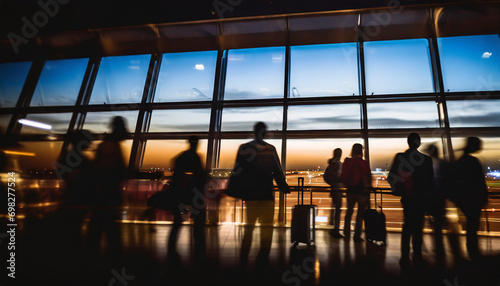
{"x": 400, "y": 179}
{"x": 331, "y": 175}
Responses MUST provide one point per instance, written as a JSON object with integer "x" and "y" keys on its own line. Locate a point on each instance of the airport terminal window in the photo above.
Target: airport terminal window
{"x": 401, "y": 66}
{"x": 383, "y": 151}
{"x": 180, "y": 120}
{"x": 4, "y": 122}
{"x": 474, "y": 113}
{"x": 255, "y": 73}
{"x": 186, "y": 77}
{"x": 489, "y": 156}
{"x": 12, "y": 78}
{"x": 324, "y": 70}
{"x": 318, "y": 151}
{"x": 99, "y": 122}
{"x": 416, "y": 114}
{"x": 120, "y": 79}
{"x": 161, "y": 153}
{"x": 59, "y": 82}
{"x": 38, "y": 155}
{"x": 317, "y": 117}
{"x": 244, "y": 118}
{"x": 470, "y": 63}
{"x": 229, "y": 149}
{"x": 46, "y": 123}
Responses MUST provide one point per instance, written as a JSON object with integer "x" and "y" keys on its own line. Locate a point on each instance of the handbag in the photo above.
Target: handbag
{"x": 166, "y": 199}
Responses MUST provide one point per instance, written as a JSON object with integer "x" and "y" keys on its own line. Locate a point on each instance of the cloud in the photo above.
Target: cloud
{"x": 486, "y": 55}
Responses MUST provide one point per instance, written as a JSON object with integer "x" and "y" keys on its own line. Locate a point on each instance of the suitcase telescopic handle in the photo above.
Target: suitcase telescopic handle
{"x": 301, "y": 190}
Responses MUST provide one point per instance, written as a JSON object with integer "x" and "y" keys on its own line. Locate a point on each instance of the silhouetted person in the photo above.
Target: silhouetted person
{"x": 188, "y": 184}
{"x": 356, "y": 176}
{"x": 436, "y": 203}
{"x": 77, "y": 171}
{"x": 334, "y": 169}
{"x": 260, "y": 162}
{"x": 472, "y": 192}
{"x": 107, "y": 199}
{"x": 415, "y": 170}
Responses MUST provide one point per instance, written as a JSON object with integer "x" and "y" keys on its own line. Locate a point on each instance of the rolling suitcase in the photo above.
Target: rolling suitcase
{"x": 375, "y": 228}
{"x": 303, "y": 219}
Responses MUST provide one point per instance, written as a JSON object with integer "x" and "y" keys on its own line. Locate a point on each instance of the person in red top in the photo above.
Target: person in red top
{"x": 356, "y": 176}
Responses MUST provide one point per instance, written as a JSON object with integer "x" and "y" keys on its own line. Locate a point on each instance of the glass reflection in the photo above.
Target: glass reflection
{"x": 12, "y": 78}
{"x": 316, "y": 117}
{"x": 120, "y": 79}
{"x": 470, "y": 63}
{"x": 401, "y": 66}
{"x": 474, "y": 113}
{"x": 416, "y": 114}
{"x": 59, "y": 82}
{"x": 186, "y": 77}
{"x": 255, "y": 73}
{"x": 180, "y": 120}
{"x": 99, "y": 122}
{"x": 243, "y": 119}
{"x": 324, "y": 70}
{"x": 59, "y": 123}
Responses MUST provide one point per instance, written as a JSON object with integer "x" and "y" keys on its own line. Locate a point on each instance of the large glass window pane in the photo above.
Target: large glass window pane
{"x": 243, "y": 119}
{"x": 100, "y": 122}
{"x": 255, "y": 73}
{"x": 12, "y": 78}
{"x": 52, "y": 123}
{"x": 489, "y": 155}
{"x": 161, "y": 153}
{"x": 37, "y": 155}
{"x": 474, "y": 113}
{"x": 316, "y": 117}
{"x": 324, "y": 70}
{"x": 186, "y": 77}
{"x": 470, "y": 63}
{"x": 229, "y": 149}
{"x": 401, "y": 66}
{"x": 4, "y": 122}
{"x": 180, "y": 120}
{"x": 59, "y": 82}
{"x": 416, "y": 114}
{"x": 383, "y": 150}
{"x": 120, "y": 80}
{"x": 314, "y": 164}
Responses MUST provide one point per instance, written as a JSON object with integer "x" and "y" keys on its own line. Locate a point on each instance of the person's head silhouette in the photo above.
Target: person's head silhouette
{"x": 193, "y": 142}
{"x": 474, "y": 144}
{"x": 119, "y": 132}
{"x": 433, "y": 151}
{"x": 414, "y": 140}
{"x": 357, "y": 150}
{"x": 260, "y": 130}
{"x": 337, "y": 153}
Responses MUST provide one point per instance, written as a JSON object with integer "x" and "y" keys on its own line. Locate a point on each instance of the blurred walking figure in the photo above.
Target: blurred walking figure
{"x": 258, "y": 164}
{"x": 79, "y": 180}
{"x": 188, "y": 184}
{"x": 107, "y": 200}
{"x": 470, "y": 191}
{"x": 332, "y": 177}
{"x": 357, "y": 177}
{"x": 413, "y": 170}
{"x": 436, "y": 203}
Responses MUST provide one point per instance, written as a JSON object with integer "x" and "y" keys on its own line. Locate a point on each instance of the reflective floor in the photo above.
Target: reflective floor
{"x": 44, "y": 257}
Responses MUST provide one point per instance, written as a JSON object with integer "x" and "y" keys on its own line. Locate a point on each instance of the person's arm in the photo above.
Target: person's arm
{"x": 278, "y": 174}
{"x": 344, "y": 175}
{"x": 367, "y": 174}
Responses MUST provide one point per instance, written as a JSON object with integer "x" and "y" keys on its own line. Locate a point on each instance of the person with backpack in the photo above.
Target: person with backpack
{"x": 332, "y": 178}
{"x": 356, "y": 176}
{"x": 412, "y": 177}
